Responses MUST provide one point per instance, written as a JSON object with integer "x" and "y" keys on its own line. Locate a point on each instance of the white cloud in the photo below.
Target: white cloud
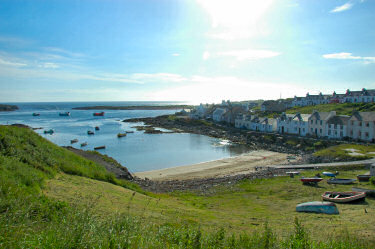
{"x": 49, "y": 65}
{"x": 349, "y": 56}
{"x": 10, "y": 63}
{"x": 176, "y": 54}
{"x": 346, "y": 6}
{"x": 206, "y": 55}
{"x": 249, "y": 54}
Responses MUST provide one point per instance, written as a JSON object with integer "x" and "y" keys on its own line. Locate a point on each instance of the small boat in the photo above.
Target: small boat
{"x": 64, "y": 114}
{"x": 343, "y": 197}
{"x": 340, "y": 181}
{"x": 50, "y": 131}
{"x": 36, "y": 114}
{"x": 368, "y": 192}
{"x": 90, "y": 133}
{"x": 121, "y": 135}
{"x": 129, "y": 131}
{"x": 330, "y": 174}
{"x": 99, "y": 148}
{"x": 74, "y": 141}
{"x": 98, "y": 113}
{"x": 323, "y": 207}
{"x": 84, "y": 144}
{"x": 97, "y": 128}
{"x": 363, "y": 178}
{"x": 292, "y": 173}
{"x": 311, "y": 180}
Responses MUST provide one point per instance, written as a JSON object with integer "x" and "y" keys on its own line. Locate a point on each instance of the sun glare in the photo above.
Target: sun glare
{"x": 235, "y": 13}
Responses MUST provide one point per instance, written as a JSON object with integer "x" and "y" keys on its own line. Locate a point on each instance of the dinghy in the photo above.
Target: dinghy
{"x": 340, "y": 181}
{"x": 318, "y": 207}
{"x": 99, "y": 148}
{"x": 343, "y": 197}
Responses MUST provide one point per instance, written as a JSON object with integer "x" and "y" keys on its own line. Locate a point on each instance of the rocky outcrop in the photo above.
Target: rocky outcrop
{"x": 8, "y": 108}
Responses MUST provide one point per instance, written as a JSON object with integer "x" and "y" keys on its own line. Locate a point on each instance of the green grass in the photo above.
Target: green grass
{"x": 341, "y": 152}
{"x": 51, "y": 198}
{"x": 340, "y": 108}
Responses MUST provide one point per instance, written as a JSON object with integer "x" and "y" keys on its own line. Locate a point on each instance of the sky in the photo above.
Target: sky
{"x": 183, "y": 50}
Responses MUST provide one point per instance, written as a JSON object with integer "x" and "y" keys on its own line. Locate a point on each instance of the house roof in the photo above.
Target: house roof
{"x": 322, "y": 115}
{"x": 363, "y": 116}
{"x": 338, "y": 120}
{"x": 301, "y": 117}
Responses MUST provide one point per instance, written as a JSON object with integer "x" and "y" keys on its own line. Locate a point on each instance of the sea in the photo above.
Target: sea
{"x": 137, "y": 151}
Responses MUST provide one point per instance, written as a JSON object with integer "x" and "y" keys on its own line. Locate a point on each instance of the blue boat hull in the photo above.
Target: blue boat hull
{"x": 318, "y": 207}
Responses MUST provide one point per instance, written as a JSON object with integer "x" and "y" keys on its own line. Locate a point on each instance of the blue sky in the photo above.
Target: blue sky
{"x": 191, "y": 50}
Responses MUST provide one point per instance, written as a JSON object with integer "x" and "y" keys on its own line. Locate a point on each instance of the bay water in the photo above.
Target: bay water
{"x": 137, "y": 151}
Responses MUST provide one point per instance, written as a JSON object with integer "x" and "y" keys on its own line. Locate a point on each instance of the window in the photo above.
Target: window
{"x": 366, "y": 134}
{"x": 341, "y": 134}
{"x": 352, "y": 122}
{"x": 351, "y": 133}
{"x": 359, "y": 134}
{"x": 321, "y": 122}
{"x": 312, "y": 130}
{"x": 360, "y": 123}
{"x": 316, "y": 121}
{"x": 320, "y": 131}
{"x": 367, "y": 124}
{"x": 329, "y": 132}
{"x": 312, "y": 121}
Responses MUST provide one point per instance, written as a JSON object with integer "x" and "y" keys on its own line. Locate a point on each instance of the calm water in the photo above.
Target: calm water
{"x": 137, "y": 151}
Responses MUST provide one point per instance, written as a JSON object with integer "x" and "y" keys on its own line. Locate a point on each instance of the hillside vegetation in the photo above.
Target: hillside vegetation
{"x": 52, "y": 198}
{"x": 340, "y": 108}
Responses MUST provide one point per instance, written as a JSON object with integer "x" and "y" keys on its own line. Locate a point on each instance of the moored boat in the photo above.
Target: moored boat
{"x": 64, "y": 114}
{"x": 90, "y": 133}
{"x": 97, "y": 128}
{"x": 84, "y": 144}
{"x": 363, "y": 178}
{"x": 343, "y": 197}
{"x": 121, "y": 135}
{"x": 74, "y": 141}
{"x": 99, "y": 148}
{"x": 98, "y": 113}
{"x": 318, "y": 207}
{"x": 340, "y": 181}
{"x": 50, "y": 131}
{"x": 129, "y": 131}
{"x": 36, "y": 114}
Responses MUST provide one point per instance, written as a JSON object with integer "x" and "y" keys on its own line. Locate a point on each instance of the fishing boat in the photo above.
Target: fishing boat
{"x": 74, "y": 141}
{"x": 98, "y": 113}
{"x": 330, "y": 174}
{"x": 84, "y": 144}
{"x": 340, "y": 181}
{"x": 368, "y": 192}
{"x": 323, "y": 207}
{"x": 97, "y": 128}
{"x": 363, "y": 178}
{"x": 36, "y": 114}
{"x": 64, "y": 114}
{"x": 343, "y": 197}
{"x": 311, "y": 180}
{"x": 90, "y": 133}
{"x": 121, "y": 135}
{"x": 99, "y": 148}
{"x": 50, "y": 131}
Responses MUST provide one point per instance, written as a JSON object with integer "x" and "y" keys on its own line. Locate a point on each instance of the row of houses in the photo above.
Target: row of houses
{"x": 358, "y": 126}
{"x": 363, "y": 96}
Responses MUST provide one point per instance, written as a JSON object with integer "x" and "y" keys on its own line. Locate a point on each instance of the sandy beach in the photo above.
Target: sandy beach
{"x": 242, "y": 164}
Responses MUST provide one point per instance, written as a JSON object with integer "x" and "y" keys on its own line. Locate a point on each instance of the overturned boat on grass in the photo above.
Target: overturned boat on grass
{"x": 323, "y": 207}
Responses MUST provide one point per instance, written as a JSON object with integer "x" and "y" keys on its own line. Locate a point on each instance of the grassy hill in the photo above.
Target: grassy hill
{"x": 52, "y": 198}
{"x": 341, "y": 109}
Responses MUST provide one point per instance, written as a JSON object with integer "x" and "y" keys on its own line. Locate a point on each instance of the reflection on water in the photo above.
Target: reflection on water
{"x": 137, "y": 151}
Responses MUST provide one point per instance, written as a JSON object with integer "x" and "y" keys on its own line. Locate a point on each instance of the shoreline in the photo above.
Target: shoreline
{"x": 238, "y": 165}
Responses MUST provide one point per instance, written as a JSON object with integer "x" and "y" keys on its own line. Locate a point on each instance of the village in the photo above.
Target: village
{"x": 359, "y": 126}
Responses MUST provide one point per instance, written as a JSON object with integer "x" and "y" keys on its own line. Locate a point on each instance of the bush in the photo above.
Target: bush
{"x": 372, "y": 180}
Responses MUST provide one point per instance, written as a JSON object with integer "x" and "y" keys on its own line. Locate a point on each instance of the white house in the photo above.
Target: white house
{"x": 361, "y": 126}
{"x": 218, "y": 114}
{"x": 363, "y": 96}
{"x": 267, "y": 124}
{"x": 317, "y": 123}
{"x": 337, "y": 127}
{"x": 293, "y": 124}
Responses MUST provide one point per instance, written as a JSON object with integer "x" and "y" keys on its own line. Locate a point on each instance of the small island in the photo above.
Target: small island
{"x": 143, "y": 107}
{"x": 8, "y": 108}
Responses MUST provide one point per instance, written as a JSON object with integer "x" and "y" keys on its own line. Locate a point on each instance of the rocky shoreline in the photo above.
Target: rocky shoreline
{"x": 8, "y": 108}
{"x": 144, "y": 107}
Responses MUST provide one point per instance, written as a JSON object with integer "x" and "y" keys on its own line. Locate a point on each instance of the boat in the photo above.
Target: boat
{"x": 36, "y": 114}
{"x": 129, "y": 131}
{"x": 99, "y": 148}
{"x": 64, "y": 114}
{"x": 343, "y": 197}
{"x": 74, "y": 141}
{"x": 97, "y": 128}
{"x": 121, "y": 135}
{"x": 340, "y": 181}
{"x": 323, "y": 207}
{"x": 90, "y": 133}
{"x": 311, "y": 180}
{"x": 84, "y": 144}
{"x": 292, "y": 173}
{"x": 363, "y": 178}
{"x": 368, "y": 192}
{"x": 98, "y": 113}
{"x": 50, "y": 131}
{"x": 330, "y": 174}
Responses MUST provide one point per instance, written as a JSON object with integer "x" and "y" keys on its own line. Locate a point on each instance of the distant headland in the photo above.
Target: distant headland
{"x": 8, "y": 108}
{"x": 144, "y": 107}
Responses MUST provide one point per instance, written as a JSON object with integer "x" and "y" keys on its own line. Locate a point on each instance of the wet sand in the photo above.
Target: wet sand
{"x": 242, "y": 164}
